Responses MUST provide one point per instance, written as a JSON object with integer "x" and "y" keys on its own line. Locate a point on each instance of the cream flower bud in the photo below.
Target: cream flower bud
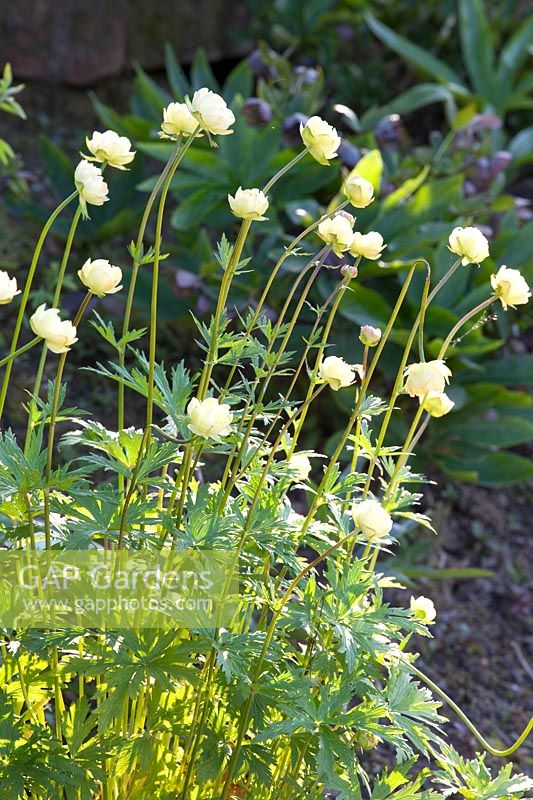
{"x": 300, "y": 465}
{"x": 321, "y": 139}
{"x": 436, "y": 404}
{"x": 470, "y": 244}
{"x": 336, "y": 372}
{"x": 358, "y": 190}
{"x": 110, "y": 148}
{"x": 510, "y": 287}
{"x": 248, "y": 204}
{"x": 369, "y": 336}
{"x": 100, "y": 277}
{"x": 209, "y": 418}
{"x": 211, "y": 112}
{"x": 90, "y": 184}
{"x": 337, "y": 232}
{"x": 8, "y": 288}
{"x": 369, "y": 245}
{"x": 372, "y": 519}
{"x": 58, "y": 334}
{"x": 349, "y": 271}
{"x": 423, "y": 609}
{"x": 426, "y": 376}
{"x": 178, "y": 120}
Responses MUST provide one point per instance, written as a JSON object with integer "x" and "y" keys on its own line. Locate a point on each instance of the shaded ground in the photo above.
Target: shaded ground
{"x": 481, "y": 654}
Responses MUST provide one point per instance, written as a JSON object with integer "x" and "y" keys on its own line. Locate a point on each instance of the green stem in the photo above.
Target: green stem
{"x": 133, "y": 279}
{"x": 26, "y": 293}
{"x": 55, "y": 304}
{"x": 470, "y": 725}
{"x": 283, "y": 170}
{"x": 155, "y": 281}
{"x": 20, "y": 351}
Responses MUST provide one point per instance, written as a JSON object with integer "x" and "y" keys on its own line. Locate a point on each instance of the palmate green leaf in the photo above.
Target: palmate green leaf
{"x": 413, "y": 709}
{"x": 472, "y": 779}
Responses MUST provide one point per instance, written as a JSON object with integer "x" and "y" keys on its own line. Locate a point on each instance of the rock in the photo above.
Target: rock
{"x": 77, "y": 43}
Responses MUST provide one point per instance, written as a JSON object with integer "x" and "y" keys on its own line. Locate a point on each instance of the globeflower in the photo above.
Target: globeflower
{"x": 470, "y": 244}
{"x": 178, "y": 120}
{"x": 423, "y": 609}
{"x": 337, "y": 232}
{"x": 426, "y": 376}
{"x": 510, "y": 287}
{"x": 437, "y": 404}
{"x": 100, "y": 277}
{"x": 90, "y": 184}
{"x": 300, "y": 465}
{"x": 321, "y": 139}
{"x": 8, "y": 288}
{"x": 249, "y": 204}
{"x": 372, "y": 519}
{"x": 368, "y": 245}
{"x": 369, "y": 336}
{"x": 110, "y": 148}
{"x": 211, "y": 112}
{"x": 336, "y": 372}
{"x": 358, "y": 190}
{"x": 58, "y": 334}
{"x": 209, "y": 418}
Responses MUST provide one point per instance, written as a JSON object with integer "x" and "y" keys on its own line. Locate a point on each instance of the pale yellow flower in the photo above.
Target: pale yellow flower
{"x": 336, "y": 372}
{"x": 248, "y": 204}
{"x": 510, "y": 287}
{"x": 211, "y": 112}
{"x": 470, "y": 244}
{"x": 209, "y": 418}
{"x": 358, "y": 190}
{"x": 8, "y": 288}
{"x": 337, "y": 232}
{"x": 369, "y": 336}
{"x": 178, "y": 120}
{"x": 437, "y": 404}
{"x": 372, "y": 519}
{"x": 90, "y": 184}
{"x": 368, "y": 245}
{"x": 58, "y": 334}
{"x": 425, "y": 377}
{"x": 423, "y": 609}
{"x": 100, "y": 277}
{"x": 110, "y": 148}
{"x": 300, "y": 465}
{"x": 321, "y": 139}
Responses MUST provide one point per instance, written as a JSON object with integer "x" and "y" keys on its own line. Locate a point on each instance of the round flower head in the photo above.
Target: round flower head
{"x": 100, "y": 277}
{"x": 110, "y": 148}
{"x": 248, "y": 204}
{"x": 510, "y": 287}
{"x": 178, "y": 120}
{"x": 209, "y": 418}
{"x": 469, "y": 244}
{"x": 368, "y": 245}
{"x": 321, "y": 139}
{"x": 90, "y": 184}
{"x": 58, "y": 334}
{"x": 358, "y": 190}
{"x": 337, "y": 232}
{"x": 423, "y": 609}
{"x": 336, "y": 372}
{"x": 369, "y": 336}
{"x": 300, "y": 465}
{"x": 425, "y": 377}
{"x": 436, "y": 404}
{"x": 211, "y": 112}
{"x": 372, "y": 519}
{"x": 8, "y": 288}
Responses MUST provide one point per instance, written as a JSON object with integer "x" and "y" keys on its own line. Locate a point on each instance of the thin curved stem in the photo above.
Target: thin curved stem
{"x": 20, "y": 351}
{"x": 494, "y": 751}
{"x": 26, "y": 293}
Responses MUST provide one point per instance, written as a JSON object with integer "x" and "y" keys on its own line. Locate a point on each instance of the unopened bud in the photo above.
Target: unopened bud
{"x": 369, "y": 336}
{"x": 349, "y": 271}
